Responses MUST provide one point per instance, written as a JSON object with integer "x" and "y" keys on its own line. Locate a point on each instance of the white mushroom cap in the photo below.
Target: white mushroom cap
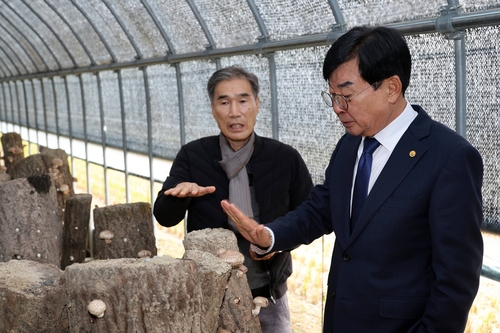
{"x": 144, "y": 254}
{"x": 57, "y": 162}
{"x": 233, "y": 258}
{"x": 97, "y": 308}
{"x": 260, "y": 302}
{"x": 106, "y": 235}
{"x": 64, "y": 189}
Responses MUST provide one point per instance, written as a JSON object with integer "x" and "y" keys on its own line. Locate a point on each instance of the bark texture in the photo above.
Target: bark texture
{"x": 236, "y": 312}
{"x": 30, "y": 226}
{"x": 76, "y": 229}
{"x": 132, "y": 229}
{"x": 154, "y": 295}
{"x": 12, "y": 145}
{"x": 32, "y": 298}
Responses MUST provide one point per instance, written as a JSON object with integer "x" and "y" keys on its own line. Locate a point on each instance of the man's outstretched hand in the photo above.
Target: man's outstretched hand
{"x": 183, "y": 190}
{"x": 254, "y": 232}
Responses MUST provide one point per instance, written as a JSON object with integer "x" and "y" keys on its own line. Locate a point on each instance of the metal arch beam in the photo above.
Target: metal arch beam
{"x": 337, "y": 14}
{"x": 77, "y": 36}
{"x": 52, "y": 30}
{"x": 2, "y": 61}
{"x": 56, "y": 111}
{"x": 38, "y": 35}
{"x": 124, "y": 136}
{"x": 6, "y": 19}
{"x": 10, "y": 59}
{"x": 14, "y": 53}
{"x": 103, "y": 137}
{"x": 85, "y": 136}
{"x": 204, "y": 27}
{"x": 150, "y": 130}
{"x": 27, "y": 113}
{"x": 2, "y": 72}
{"x": 44, "y": 103}
{"x": 258, "y": 19}
{"x": 97, "y": 31}
{"x": 158, "y": 25}
{"x": 461, "y": 21}
{"x": 272, "y": 70}
{"x": 124, "y": 28}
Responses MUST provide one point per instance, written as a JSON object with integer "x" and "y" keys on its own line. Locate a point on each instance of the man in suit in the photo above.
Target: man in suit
{"x": 409, "y": 259}
{"x": 263, "y": 176}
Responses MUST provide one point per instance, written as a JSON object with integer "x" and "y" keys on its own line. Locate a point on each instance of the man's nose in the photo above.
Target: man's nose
{"x": 234, "y": 110}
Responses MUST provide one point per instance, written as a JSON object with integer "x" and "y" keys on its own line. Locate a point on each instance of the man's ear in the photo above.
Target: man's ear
{"x": 394, "y": 89}
{"x": 257, "y": 100}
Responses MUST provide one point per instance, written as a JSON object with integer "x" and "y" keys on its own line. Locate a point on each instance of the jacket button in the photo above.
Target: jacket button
{"x": 346, "y": 257}
{"x": 333, "y": 294}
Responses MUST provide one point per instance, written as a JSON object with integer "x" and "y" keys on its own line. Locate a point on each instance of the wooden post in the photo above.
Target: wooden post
{"x": 13, "y": 151}
{"x": 75, "y": 230}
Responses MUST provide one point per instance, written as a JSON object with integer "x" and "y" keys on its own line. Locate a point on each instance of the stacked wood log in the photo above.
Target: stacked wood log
{"x": 13, "y": 149}
{"x": 76, "y": 229}
{"x": 236, "y": 311}
{"x": 124, "y": 230}
{"x": 158, "y": 294}
{"x": 30, "y": 226}
{"x": 32, "y": 298}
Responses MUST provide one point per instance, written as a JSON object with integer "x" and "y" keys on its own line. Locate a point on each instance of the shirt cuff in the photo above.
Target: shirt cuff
{"x": 261, "y": 251}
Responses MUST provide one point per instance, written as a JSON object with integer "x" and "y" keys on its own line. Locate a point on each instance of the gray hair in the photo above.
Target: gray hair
{"x": 228, "y": 73}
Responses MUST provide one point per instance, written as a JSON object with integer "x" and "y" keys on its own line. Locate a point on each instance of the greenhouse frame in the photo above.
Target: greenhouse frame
{"x": 122, "y": 84}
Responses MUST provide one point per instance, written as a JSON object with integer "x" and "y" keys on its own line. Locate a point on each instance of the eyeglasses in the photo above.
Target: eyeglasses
{"x": 341, "y": 100}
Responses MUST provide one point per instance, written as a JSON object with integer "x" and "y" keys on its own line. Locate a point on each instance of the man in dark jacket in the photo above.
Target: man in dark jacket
{"x": 263, "y": 176}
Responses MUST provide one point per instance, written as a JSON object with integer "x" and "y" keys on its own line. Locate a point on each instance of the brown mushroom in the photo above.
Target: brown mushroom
{"x": 16, "y": 150}
{"x": 64, "y": 189}
{"x": 233, "y": 258}
{"x": 97, "y": 308}
{"x": 106, "y": 235}
{"x": 144, "y": 254}
{"x": 242, "y": 269}
{"x": 260, "y": 302}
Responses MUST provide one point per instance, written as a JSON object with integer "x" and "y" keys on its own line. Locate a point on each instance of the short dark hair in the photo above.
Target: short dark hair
{"x": 381, "y": 52}
{"x": 228, "y": 73}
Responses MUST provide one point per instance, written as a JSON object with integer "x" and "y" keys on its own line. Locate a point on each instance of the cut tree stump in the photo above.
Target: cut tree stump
{"x": 50, "y": 162}
{"x": 236, "y": 312}
{"x": 30, "y": 226}
{"x": 153, "y": 295}
{"x": 32, "y": 298}
{"x": 131, "y": 226}
{"x": 76, "y": 229}
{"x": 213, "y": 277}
{"x": 12, "y": 145}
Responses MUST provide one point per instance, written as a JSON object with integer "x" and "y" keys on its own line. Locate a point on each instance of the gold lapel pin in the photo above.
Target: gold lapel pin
{"x": 413, "y": 153}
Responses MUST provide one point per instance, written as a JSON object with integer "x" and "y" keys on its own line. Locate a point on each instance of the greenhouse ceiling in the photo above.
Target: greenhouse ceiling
{"x": 43, "y": 38}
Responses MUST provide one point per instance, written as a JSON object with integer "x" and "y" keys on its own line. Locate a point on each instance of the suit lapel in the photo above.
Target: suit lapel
{"x": 405, "y": 156}
{"x": 340, "y": 187}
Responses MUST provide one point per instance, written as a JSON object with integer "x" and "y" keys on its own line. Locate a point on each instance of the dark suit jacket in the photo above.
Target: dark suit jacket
{"x": 413, "y": 261}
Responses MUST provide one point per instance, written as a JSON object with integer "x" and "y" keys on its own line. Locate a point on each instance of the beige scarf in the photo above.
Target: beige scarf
{"x": 234, "y": 164}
